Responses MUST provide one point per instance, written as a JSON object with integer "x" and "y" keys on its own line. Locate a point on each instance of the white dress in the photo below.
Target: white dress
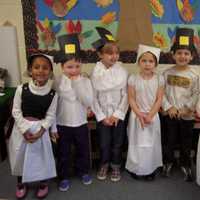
{"x": 144, "y": 148}
{"x": 32, "y": 161}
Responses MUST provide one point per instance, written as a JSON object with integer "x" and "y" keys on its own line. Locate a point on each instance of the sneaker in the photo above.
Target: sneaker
{"x": 86, "y": 179}
{"x": 115, "y": 175}
{"x": 167, "y": 168}
{"x": 21, "y": 191}
{"x": 43, "y": 191}
{"x": 64, "y": 185}
{"x": 187, "y": 174}
{"x": 102, "y": 173}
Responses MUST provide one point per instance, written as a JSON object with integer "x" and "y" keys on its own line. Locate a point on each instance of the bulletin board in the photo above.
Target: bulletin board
{"x": 132, "y": 22}
{"x": 167, "y": 16}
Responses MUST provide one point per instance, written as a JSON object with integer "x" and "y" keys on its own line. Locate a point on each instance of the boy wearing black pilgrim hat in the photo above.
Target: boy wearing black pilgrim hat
{"x": 110, "y": 105}
{"x": 75, "y": 97}
{"x": 181, "y": 94}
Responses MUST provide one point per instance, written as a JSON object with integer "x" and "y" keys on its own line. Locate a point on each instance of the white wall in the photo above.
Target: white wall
{"x": 11, "y": 10}
{"x": 9, "y": 55}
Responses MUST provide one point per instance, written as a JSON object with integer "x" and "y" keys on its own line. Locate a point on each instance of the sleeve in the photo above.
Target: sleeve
{"x": 51, "y": 113}
{"x": 131, "y": 80}
{"x": 120, "y": 112}
{"x": 54, "y": 127}
{"x": 192, "y": 101}
{"x": 22, "y": 124}
{"x": 84, "y": 91}
{"x": 96, "y": 108}
{"x": 161, "y": 81}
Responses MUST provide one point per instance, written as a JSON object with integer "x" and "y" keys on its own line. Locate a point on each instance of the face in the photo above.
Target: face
{"x": 147, "y": 63}
{"x": 71, "y": 68}
{"x": 40, "y": 70}
{"x": 109, "y": 58}
{"x": 182, "y": 57}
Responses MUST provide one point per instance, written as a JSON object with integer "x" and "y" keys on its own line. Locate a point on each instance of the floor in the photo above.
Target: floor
{"x": 173, "y": 188}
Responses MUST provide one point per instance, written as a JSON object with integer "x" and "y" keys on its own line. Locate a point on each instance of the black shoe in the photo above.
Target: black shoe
{"x": 167, "y": 169}
{"x": 187, "y": 174}
{"x": 135, "y": 176}
{"x": 149, "y": 177}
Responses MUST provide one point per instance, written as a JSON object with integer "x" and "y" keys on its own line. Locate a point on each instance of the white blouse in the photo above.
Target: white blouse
{"x": 181, "y": 89}
{"x": 74, "y": 98}
{"x": 110, "y": 91}
{"x": 20, "y": 121}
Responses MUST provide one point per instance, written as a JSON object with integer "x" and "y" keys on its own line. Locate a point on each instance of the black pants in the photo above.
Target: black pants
{"x": 178, "y": 134}
{"x": 111, "y": 140}
{"x": 79, "y": 137}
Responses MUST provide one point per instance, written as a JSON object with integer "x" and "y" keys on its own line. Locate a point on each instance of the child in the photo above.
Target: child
{"x": 75, "y": 97}
{"x": 181, "y": 93}
{"x": 34, "y": 108}
{"x": 145, "y": 92}
{"x": 109, "y": 81}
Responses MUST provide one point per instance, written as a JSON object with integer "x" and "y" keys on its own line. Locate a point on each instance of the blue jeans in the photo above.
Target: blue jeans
{"x": 111, "y": 140}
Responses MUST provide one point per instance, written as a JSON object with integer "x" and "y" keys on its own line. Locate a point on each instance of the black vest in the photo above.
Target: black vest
{"x": 34, "y": 105}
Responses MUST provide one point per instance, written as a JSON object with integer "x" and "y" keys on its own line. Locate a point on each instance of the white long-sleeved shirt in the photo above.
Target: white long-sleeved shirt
{"x": 74, "y": 98}
{"x": 110, "y": 91}
{"x": 20, "y": 121}
{"x": 181, "y": 89}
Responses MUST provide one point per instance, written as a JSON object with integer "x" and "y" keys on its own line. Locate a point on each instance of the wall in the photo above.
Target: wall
{"x": 11, "y": 10}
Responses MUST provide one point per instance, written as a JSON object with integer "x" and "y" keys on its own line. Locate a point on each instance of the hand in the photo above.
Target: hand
{"x": 172, "y": 112}
{"x": 141, "y": 116}
{"x": 29, "y": 137}
{"x": 184, "y": 112}
{"x": 89, "y": 113}
{"x": 54, "y": 136}
{"x": 107, "y": 121}
{"x": 114, "y": 120}
{"x": 32, "y": 137}
{"x": 197, "y": 116}
{"x": 148, "y": 119}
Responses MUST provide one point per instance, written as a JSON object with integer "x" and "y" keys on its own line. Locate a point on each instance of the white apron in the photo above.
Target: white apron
{"x": 144, "y": 149}
{"x": 32, "y": 161}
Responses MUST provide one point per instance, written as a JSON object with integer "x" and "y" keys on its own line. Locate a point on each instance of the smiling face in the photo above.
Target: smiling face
{"x": 147, "y": 63}
{"x": 71, "y": 68}
{"x": 182, "y": 57}
{"x": 40, "y": 70}
{"x": 109, "y": 54}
